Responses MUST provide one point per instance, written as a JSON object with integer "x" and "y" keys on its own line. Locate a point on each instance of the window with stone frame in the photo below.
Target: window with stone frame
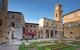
{"x": 79, "y": 37}
{"x": 55, "y": 32}
{"x": 47, "y": 24}
{"x": 34, "y": 25}
{"x": 76, "y": 37}
{"x": 31, "y": 25}
{"x": 70, "y": 25}
{"x": 12, "y": 36}
{"x": 34, "y": 30}
{"x": 0, "y": 22}
{"x": 71, "y": 32}
{"x": 56, "y": 14}
{"x": 26, "y": 25}
{"x": 30, "y": 30}
{"x": 75, "y": 24}
{"x": 79, "y": 24}
{"x": 13, "y": 16}
{"x": 41, "y": 31}
{"x": 13, "y": 24}
{"x": 26, "y": 30}
{"x": 53, "y": 25}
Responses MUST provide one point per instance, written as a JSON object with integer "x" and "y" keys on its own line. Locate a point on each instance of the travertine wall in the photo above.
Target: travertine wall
{"x": 72, "y": 24}
{"x": 48, "y": 27}
{"x": 72, "y": 17}
{"x": 3, "y": 17}
{"x": 18, "y": 19}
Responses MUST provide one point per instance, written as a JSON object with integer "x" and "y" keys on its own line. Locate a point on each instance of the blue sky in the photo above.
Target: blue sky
{"x": 33, "y": 10}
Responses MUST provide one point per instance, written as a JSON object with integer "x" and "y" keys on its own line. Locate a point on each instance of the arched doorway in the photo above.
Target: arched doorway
{"x": 12, "y": 36}
{"x": 51, "y": 34}
{"x": 56, "y": 34}
{"x": 47, "y": 33}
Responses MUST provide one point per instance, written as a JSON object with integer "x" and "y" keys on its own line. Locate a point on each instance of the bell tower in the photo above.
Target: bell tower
{"x": 58, "y": 12}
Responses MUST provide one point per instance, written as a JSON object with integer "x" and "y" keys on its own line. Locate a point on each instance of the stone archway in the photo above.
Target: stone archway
{"x": 56, "y": 34}
{"x": 11, "y": 34}
{"x": 51, "y": 34}
{"x": 47, "y": 33}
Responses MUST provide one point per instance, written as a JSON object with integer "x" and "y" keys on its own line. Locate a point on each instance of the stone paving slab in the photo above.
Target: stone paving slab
{"x": 14, "y": 47}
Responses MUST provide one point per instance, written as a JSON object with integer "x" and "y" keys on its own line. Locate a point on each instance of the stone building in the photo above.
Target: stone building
{"x": 31, "y": 31}
{"x": 3, "y": 20}
{"x": 15, "y": 25}
{"x": 58, "y": 12}
{"x": 49, "y": 28}
{"x": 72, "y": 25}
{"x": 72, "y": 16}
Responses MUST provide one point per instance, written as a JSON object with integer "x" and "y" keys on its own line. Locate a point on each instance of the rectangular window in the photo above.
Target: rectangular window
{"x": 34, "y": 30}
{"x": 31, "y": 25}
{"x": 71, "y": 32}
{"x": 79, "y": 24}
{"x": 26, "y": 30}
{"x": 56, "y": 14}
{"x": 13, "y": 16}
{"x": 13, "y": 24}
{"x": 53, "y": 25}
{"x": 26, "y": 25}
{"x": 34, "y": 25}
{"x": 47, "y": 24}
{"x": 70, "y": 25}
{"x": 30, "y": 30}
{"x": 0, "y": 22}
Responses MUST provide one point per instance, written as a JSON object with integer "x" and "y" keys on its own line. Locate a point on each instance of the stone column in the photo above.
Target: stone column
{"x": 58, "y": 34}
{"x": 54, "y": 35}
{"x": 44, "y": 34}
{"x": 37, "y": 35}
